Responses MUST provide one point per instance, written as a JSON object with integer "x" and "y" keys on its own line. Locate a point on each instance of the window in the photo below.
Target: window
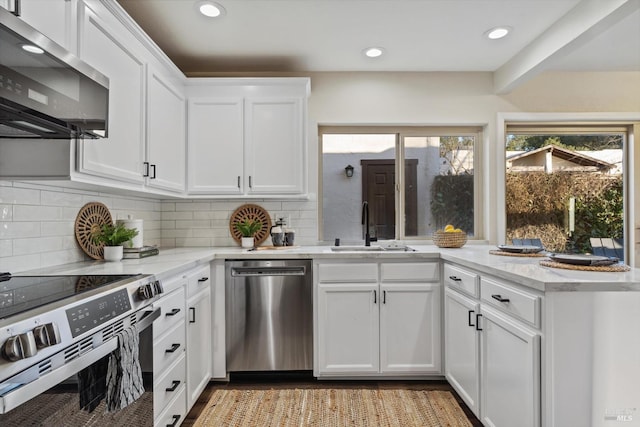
{"x": 565, "y": 185}
{"x": 438, "y": 184}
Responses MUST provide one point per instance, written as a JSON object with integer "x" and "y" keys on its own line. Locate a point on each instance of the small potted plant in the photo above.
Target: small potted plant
{"x": 248, "y": 228}
{"x": 113, "y": 237}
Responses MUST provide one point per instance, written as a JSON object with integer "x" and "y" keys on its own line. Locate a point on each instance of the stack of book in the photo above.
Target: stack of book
{"x": 141, "y": 252}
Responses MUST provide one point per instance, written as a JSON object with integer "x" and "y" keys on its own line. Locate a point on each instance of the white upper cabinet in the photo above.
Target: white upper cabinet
{"x": 216, "y": 150}
{"x": 165, "y": 164}
{"x": 274, "y": 149}
{"x": 55, "y": 19}
{"x": 120, "y": 156}
{"x": 247, "y": 137}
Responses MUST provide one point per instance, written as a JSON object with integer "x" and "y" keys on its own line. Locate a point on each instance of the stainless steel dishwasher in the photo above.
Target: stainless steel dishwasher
{"x": 269, "y": 307}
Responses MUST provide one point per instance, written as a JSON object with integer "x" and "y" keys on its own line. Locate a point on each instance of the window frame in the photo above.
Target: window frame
{"x": 629, "y": 121}
{"x": 400, "y": 132}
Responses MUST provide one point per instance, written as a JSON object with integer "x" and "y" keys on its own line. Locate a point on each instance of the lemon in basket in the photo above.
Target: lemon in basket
{"x": 449, "y": 228}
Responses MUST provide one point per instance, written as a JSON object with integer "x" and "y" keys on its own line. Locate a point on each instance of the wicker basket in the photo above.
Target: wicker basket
{"x": 451, "y": 239}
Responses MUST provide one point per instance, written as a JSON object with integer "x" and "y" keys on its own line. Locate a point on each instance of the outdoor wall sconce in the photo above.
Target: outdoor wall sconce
{"x": 348, "y": 171}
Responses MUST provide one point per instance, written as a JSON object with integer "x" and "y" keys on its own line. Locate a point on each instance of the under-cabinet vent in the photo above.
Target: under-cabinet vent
{"x": 44, "y": 367}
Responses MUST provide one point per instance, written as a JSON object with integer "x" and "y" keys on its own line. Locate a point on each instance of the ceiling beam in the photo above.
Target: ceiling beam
{"x": 585, "y": 21}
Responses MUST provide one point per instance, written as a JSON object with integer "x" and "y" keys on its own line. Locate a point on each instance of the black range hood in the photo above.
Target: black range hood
{"x": 51, "y": 94}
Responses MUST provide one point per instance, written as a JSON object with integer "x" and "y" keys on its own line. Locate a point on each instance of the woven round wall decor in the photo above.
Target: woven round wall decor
{"x": 91, "y": 217}
{"x": 251, "y": 212}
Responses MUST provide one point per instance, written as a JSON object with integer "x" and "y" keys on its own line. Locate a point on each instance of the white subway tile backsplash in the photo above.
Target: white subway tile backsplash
{"x": 34, "y": 245}
{"x": 177, "y": 215}
{"x": 58, "y": 228}
{"x": 6, "y": 247}
{"x": 6, "y": 212}
{"x": 16, "y": 230}
{"x": 13, "y": 196}
{"x": 16, "y": 264}
{"x": 56, "y": 198}
{"x": 36, "y": 213}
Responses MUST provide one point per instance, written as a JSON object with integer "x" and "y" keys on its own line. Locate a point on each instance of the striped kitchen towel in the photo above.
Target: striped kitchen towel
{"x": 124, "y": 376}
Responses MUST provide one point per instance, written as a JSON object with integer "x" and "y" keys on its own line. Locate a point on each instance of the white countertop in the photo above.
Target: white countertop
{"x": 523, "y": 270}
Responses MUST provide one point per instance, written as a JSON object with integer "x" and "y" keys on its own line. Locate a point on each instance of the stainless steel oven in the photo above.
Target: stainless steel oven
{"x": 58, "y": 335}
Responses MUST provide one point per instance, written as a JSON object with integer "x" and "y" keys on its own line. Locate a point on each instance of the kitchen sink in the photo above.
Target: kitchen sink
{"x": 372, "y": 249}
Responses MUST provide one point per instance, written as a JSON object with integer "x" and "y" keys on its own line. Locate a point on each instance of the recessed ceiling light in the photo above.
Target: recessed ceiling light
{"x": 32, "y": 49}
{"x": 373, "y": 52}
{"x": 210, "y": 9}
{"x": 497, "y": 32}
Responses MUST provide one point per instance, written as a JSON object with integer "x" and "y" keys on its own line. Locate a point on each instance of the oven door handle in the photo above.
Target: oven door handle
{"x": 28, "y": 391}
{"x": 147, "y": 317}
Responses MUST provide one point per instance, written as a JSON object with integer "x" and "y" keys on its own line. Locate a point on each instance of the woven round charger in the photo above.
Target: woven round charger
{"x": 90, "y": 219}
{"x": 603, "y": 268}
{"x": 504, "y": 253}
{"x": 250, "y": 212}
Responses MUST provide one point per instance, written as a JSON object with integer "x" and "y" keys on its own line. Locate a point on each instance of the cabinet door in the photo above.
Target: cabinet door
{"x": 275, "y": 148}
{"x": 510, "y": 372}
{"x": 53, "y": 18}
{"x": 348, "y": 328}
{"x": 121, "y": 155}
{"x": 165, "y": 134}
{"x": 410, "y": 327}
{"x": 198, "y": 344}
{"x": 215, "y": 146}
{"x": 462, "y": 347}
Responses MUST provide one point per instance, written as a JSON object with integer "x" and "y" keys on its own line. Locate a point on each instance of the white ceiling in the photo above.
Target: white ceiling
{"x": 298, "y": 36}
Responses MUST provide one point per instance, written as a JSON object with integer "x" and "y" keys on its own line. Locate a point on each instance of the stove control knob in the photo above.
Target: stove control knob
{"x": 19, "y": 347}
{"x": 46, "y": 335}
{"x": 146, "y": 291}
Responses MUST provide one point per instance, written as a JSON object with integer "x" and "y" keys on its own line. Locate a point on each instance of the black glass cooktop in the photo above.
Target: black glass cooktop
{"x": 22, "y": 293}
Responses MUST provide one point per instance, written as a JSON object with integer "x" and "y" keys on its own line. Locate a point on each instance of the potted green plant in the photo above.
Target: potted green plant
{"x": 248, "y": 228}
{"x": 113, "y": 237}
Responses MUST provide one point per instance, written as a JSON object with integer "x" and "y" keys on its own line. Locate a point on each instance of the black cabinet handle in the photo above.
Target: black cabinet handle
{"x": 153, "y": 176}
{"x": 174, "y": 385}
{"x": 175, "y": 418}
{"x": 16, "y": 8}
{"x": 173, "y": 348}
{"x": 384, "y": 297}
{"x": 203, "y": 279}
{"x": 146, "y": 169}
{"x": 469, "y": 317}
{"x": 238, "y": 181}
{"x": 192, "y": 310}
{"x": 455, "y": 278}
{"x": 499, "y": 298}
{"x": 375, "y": 297}
{"x": 250, "y": 182}
{"x": 478, "y": 316}
{"x": 173, "y": 312}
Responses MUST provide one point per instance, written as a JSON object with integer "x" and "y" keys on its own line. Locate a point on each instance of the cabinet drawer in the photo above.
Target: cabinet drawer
{"x": 171, "y": 312}
{"x": 175, "y": 414}
{"x": 168, "y": 386}
{"x": 462, "y": 280}
{"x": 168, "y": 348}
{"x": 198, "y": 281}
{"x": 409, "y": 271}
{"x": 516, "y": 302}
{"x": 348, "y": 272}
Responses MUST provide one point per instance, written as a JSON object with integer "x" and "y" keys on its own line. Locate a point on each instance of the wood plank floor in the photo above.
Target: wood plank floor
{"x": 268, "y": 383}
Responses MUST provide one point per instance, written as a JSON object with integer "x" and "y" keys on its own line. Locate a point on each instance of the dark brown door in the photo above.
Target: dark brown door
{"x": 378, "y": 188}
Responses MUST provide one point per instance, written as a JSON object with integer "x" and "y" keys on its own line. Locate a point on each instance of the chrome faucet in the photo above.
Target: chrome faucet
{"x": 365, "y": 223}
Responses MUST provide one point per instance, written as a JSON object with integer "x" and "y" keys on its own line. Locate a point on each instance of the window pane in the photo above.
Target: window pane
{"x": 438, "y": 184}
{"x": 565, "y": 189}
{"x": 372, "y": 158}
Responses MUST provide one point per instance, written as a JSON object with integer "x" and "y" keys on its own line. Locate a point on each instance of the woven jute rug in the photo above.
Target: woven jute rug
{"x": 331, "y": 407}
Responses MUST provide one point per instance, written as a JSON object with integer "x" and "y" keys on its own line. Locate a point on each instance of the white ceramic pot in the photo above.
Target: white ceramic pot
{"x": 247, "y": 242}
{"x": 113, "y": 253}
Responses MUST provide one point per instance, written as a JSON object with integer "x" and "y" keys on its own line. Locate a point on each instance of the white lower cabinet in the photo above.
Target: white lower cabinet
{"x": 510, "y": 372}
{"x": 377, "y": 319}
{"x": 492, "y": 355}
{"x": 169, "y": 360}
{"x": 462, "y": 347}
{"x": 199, "y": 335}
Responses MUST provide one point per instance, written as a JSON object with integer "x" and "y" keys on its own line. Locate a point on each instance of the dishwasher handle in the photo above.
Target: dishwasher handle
{"x": 267, "y": 271}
